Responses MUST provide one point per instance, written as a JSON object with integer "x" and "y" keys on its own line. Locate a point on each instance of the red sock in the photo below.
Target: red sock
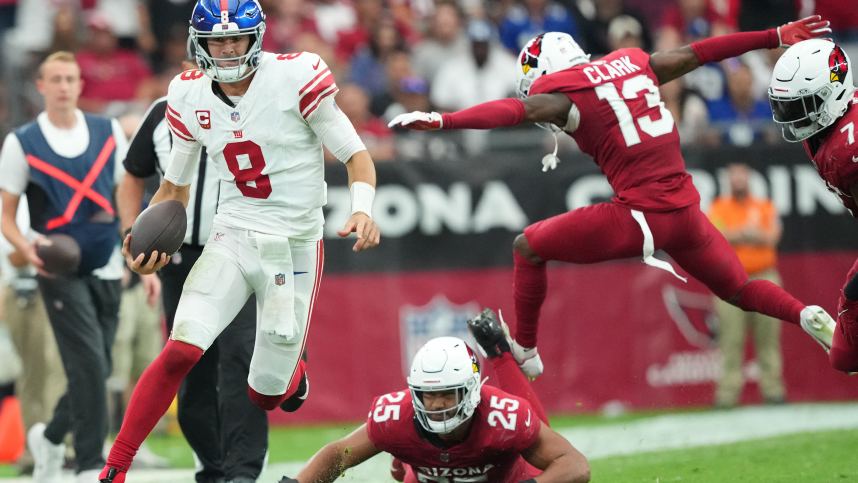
{"x": 270, "y": 402}
{"x": 513, "y": 381}
{"x": 151, "y": 397}
{"x": 767, "y": 298}
{"x": 529, "y": 286}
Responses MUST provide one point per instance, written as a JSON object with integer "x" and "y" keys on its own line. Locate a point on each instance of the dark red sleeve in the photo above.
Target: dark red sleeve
{"x": 488, "y": 115}
{"x": 732, "y": 45}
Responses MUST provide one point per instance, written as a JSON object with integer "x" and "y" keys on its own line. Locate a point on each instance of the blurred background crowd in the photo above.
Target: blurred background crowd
{"x": 392, "y": 56}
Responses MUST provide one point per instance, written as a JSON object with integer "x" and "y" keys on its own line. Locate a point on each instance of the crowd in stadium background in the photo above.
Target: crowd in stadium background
{"x": 397, "y": 56}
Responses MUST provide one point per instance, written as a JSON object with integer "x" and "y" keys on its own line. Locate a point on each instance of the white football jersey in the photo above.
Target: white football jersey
{"x": 268, "y": 157}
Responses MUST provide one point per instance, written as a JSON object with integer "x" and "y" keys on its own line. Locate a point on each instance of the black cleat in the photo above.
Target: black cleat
{"x": 489, "y": 334}
{"x": 295, "y": 401}
{"x": 109, "y": 476}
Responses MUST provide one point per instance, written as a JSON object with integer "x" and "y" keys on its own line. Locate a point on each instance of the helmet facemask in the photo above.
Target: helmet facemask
{"x": 445, "y": 364}
{"x": 228, "y": 69}
{"x": 802, "y": 116}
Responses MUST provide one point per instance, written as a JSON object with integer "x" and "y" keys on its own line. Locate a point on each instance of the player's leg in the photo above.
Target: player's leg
{"x": 493, "y": 341}
{"x": 731, "y": 344}
{"x": 245, "y": 431}
{"x": 592, "y": 234}
{"x": 214, "y": 292}
{"x": 844, "y": 347}
{"x": 198, "y": 411}
{"x": 704, "y": 253}
{"x": 277, "y": 368}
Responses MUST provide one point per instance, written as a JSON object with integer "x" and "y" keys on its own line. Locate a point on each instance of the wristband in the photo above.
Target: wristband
{"x": 362, "y": 195}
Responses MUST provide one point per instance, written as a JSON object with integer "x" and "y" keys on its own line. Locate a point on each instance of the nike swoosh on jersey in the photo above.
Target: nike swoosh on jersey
{"x": 298, "y": 273}
{"x": 855, "y": 159}
{"x": 842, "y": 312}
{"x": 317, "y": 64}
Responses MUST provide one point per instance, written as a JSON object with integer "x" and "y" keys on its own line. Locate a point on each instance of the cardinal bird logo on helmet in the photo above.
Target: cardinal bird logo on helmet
{"x": 837, "y": 65}
{"x": 530, "y": 55}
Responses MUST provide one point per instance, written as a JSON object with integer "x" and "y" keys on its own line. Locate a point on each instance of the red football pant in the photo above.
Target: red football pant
{"x": 607, "y": 231}
{"x": 844, "y": 348}
{"x": 513, "y": 381}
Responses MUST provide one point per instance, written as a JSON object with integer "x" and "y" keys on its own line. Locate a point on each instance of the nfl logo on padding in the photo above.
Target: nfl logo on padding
{"x": 280, "y": 279}
{"x": 439, "y": 317}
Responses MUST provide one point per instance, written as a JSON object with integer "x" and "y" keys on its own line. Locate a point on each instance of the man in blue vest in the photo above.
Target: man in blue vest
{"x": 68, "y": 164}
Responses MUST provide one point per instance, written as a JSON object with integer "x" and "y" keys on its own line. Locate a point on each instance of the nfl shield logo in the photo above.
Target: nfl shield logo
{"x": 279, "y": 279}
{"x": 234, "y": 116}
{"x": 438, "y": 318}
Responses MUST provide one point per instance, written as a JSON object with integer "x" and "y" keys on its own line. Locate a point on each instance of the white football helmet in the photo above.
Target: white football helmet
{"x": 545, "y": 54}
{"x": 445, "y": 364}
{"x": 811, "y": 88}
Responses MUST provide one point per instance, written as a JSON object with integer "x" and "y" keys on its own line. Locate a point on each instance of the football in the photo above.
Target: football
{"x": 160, "y": 227}
{"x": 60, "y": 253}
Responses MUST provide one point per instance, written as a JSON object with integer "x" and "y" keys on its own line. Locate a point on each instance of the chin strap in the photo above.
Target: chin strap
{"x": 550, "y": 160}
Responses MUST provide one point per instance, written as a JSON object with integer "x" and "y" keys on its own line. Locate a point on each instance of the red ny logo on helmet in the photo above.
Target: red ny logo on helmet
{"x": 837, "y": 65}
{"x": 530, "y": 54}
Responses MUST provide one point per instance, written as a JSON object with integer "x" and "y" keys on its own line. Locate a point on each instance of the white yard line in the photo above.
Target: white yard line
{"x": 645, "y": 435}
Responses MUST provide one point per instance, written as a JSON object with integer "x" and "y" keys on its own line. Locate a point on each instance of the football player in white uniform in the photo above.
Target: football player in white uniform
{"x": 262, "y": 118}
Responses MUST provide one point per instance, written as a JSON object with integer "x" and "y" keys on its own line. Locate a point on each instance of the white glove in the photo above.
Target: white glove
{"x": 418, "y": 120}
{"x": 528, "y": 360}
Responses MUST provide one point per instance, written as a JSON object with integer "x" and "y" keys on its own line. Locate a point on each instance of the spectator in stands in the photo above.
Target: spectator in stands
{"x": 285, "y": 21}
{"x": 595, "y": 26}
{"x": 484, "y": 73}
{"x": 164, "y": 15}
{"x": 109, "y": 73}
{"x": 689, "y": 113}
{"x": 753, "y": 228}
{"x": 412, "y": 94}
{"x": 397, "y": 67}
{"x": 377, "y": 137}
{"x": 624, "y": 32}
{"x": 741, "y": 117}
{"x": 370, "y": 15}
{"x": 687, "y": 21}
{"x": 446, "y": 40}
{"x": 367, "y": 66}
{"x": 533, "y": 17}
{"x": 333, "y": 16}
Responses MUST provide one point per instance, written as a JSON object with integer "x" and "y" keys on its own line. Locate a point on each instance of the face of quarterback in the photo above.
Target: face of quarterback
{"x": 441, "y": 404}
{"x": 228, "y": 48}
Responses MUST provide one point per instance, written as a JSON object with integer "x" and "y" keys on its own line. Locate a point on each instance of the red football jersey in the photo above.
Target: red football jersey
{"x": 502, "y": 427}
{"x": 626, "y": 129}
{"x": 836, "y": 158}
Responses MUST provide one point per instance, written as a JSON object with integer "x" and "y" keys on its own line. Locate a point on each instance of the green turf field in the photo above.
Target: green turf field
{"x": 762, "y": 444}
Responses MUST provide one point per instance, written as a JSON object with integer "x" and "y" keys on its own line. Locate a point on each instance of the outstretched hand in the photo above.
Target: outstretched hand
{"x": 367, "y": 231}
{"x": 418, "y": 120}
{"x": 807, "y": 28}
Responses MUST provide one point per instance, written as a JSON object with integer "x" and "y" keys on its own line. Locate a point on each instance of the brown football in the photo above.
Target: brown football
{"x": 160, "y": 227}
{"x": 61, "y": 254}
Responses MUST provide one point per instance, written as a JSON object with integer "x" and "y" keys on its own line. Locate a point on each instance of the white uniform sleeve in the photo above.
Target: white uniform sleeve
{"x": 14, "y": 171}
{"x": 119, "y": 152}
{"x": 184, "y": 159}
{"x": 335, "y": 130}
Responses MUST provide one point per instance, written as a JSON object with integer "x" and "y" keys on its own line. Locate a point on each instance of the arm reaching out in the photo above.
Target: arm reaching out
{"x": 552, "y": 108}
{"x": 678, "y": 62}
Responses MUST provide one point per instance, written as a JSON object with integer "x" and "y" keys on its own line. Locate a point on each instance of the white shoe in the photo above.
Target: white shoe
{"x": 88, "y": 476}
{"x": 48, "y": 457}
{"x": 816, "y": 322}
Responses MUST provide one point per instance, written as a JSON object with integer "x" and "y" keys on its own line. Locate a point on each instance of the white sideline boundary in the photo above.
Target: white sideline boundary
{"x": 657, "y": 433}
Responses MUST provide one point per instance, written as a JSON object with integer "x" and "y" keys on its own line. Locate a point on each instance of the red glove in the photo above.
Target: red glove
{"x": 807, "y": 28}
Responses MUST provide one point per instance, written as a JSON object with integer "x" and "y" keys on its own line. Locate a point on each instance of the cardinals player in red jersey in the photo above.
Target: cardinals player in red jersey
{"x": 612, "y": 108}
{"x": 449, "y": 427}
{"x": 813, "y": 99}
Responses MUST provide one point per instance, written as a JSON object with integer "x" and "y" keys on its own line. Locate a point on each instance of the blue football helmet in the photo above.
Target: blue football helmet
{"x": 227, "y": 18}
